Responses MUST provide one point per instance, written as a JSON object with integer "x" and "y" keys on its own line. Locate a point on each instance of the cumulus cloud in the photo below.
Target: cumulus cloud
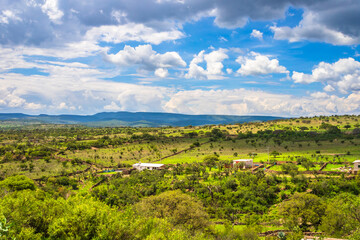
{"x": 34, "y": 106}
{"x": 311, "y": 28}
{"x": 10, "y": 98}
{"x": 64, "y": 106}
{"x": 256, "y": 34}
{"x": 112, "y": 107}
{"x": 257, "y": 64}
{"x": 214, "y": 65}
{"x": 343, "y": 75}
{"x": 146, "y": 59}
{"x": 161, "y": 72}
{"x": 51, "y": 8}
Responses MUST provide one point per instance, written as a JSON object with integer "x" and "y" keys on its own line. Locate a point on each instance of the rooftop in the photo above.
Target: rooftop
{"x": 148, "y": 164}
{"x": 242, "y": 160}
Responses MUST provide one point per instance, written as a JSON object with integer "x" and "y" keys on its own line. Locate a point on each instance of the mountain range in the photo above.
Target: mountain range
{"x": 133, "y": 119}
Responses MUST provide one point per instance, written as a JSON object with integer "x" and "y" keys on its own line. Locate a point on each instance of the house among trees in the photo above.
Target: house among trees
{"x": 247, "y": 163}
{"x": 356, "y": 166}
{"x": 150, "y": 166}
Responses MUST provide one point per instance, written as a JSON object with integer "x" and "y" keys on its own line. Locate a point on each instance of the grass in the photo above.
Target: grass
{"x": 335, "y": 151}
{"x": 41, "y": 168}
{"x": 108, "y": 173}
{"x": 334, "y": 167}
{"x": 133, "y": 152}
{"x": 300, "y": 168}
{"x": 228, "y": 149}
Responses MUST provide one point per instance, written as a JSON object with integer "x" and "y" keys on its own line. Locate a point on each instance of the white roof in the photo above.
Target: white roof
{"x": 356, "y": 161}
{"x": 148, "y": 164}
{"x": 242, "y": 160}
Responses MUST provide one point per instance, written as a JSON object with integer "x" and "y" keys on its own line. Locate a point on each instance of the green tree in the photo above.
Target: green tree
{"x": 210, "y": 161}
{"x": 290, "y": 168}
{"x": 86, "y": 218}
{"x": 306, "y": 163}
{"x": 342, "y": 215}
{"x": 274, "y": 154}
{"x": 179, "y": 208}
{"x": 303, "y": 210}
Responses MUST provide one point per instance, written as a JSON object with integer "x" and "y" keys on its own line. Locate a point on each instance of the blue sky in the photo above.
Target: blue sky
{"x": 259, "y": 57}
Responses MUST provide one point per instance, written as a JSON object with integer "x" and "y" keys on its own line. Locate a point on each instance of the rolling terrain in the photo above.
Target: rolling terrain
{"x": 137, "y": 119}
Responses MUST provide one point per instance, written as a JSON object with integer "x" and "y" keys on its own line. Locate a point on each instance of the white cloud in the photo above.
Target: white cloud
{"x": 214, "y": 65}
{"x": 223, "y": 39}
{"x": 11, "y": 58}
{"x": 61, "y": 90}
{"x": 119, "y": 16}
{"x": 10, "y": 99}
{"x": 242, "y": 101}
{"x": 112, "y": 107}
{"x": 229, "y": 71}
{"x": 329, "y": 88}
{"x": 87, "y": 93}
{"x": 51, "y": 8}
{"x": 161, "y": 72}
{"x": 14, "y": 57}
{"x": 131, "y": 32}
{"x": 62, "y": 105}
{"x": 299, "y": 77}
{"x": 256, "y": 34}
{"x": 8, "y": 15}
{"x": 310, "y": 28}
{"x": 34, "y": 106}
{"x": 146, "y": 59}
{"x": 257, "y": 64}
{"x": 343, "y": 75}
{"x": 319, "y": 95}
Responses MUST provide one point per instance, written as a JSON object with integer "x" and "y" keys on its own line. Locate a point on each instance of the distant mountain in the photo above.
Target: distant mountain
{"x": 137, "y": 119}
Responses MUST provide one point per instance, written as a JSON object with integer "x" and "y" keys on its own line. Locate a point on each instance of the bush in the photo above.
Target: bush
{"x": 17, "y": 183}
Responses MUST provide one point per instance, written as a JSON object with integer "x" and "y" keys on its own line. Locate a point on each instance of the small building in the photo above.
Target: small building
{"x": 148, "y": 166}
{"x": 356, "y": 166}
{"x": 247, "y": 163}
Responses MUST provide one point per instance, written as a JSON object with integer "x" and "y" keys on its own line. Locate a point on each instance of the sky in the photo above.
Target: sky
{"x": 236, "y": 57}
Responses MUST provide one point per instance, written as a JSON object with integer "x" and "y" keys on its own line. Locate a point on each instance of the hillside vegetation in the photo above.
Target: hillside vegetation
{"x": 131, "y": 119}
{"x": 76, "y": 182}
